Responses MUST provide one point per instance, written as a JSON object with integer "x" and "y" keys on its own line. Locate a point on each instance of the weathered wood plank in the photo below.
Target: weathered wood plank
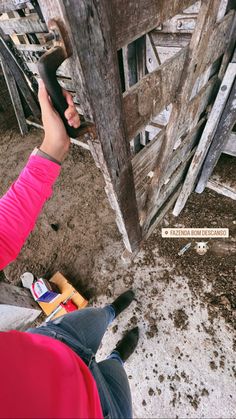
{"x": 230, "y": 146}
{"x": 21, "y": 25}
{"x": 170, "y": 40}
{"x": 152, "y": 59}
{"x": 222, "y": 9}
{"x": 179, "y": 24}
{"x": 230, "y": 48}
{"x": 206, "y": 19}
{"x": 17, "y": 308}
{"x": 32, "y": 48}
{"x": 147, "y": 159}
{"x": 220, "y": 36}
{"x": 186, "y": 146}
{"x": 195, "y": 8}
{"x": 221, "y": 188}
{"x": 197, "y": 106}
{"x": 130, "y": 65}
{"x": 162, "y": 212}
{"x": 165, "y": 53}
{"x": 8, "y": 5}
{"x": 12, "y": 295}
{"x": 129, "y": 53}
{"x": 9, "y": 43}
{"x": 186, "y": 138}
{"x": 206, "y": 138}
{"x": 143, "y": 161}
{"x": 15, "y": 98}
{"x": 6, "y": 56}
{"x": 110, "y": 149}
{"x": 141, "y": 16}
{"x": 224, "y": 128}
{"x": 156, "y": 90}
{"x": 152, "y": 94}
{"x": 170, "y": 191}
{"x": 175, "y": 179}
{"x": 16, "y": 318}
{"x": 141, "y": 71}
{"x": 97, "y": 153}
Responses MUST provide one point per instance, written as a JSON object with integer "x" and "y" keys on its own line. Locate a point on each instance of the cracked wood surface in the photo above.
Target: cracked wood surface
{"x": 193, "y": 66}
{"x": 141, "y": 16}
{"x": 206, "y": 138}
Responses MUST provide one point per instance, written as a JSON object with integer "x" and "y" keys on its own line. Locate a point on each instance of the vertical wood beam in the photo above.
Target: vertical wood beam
{"x": 227, "y": 121}
{"x": 93, "y": 19}
{"x": 7, "y": 57}
{"x": 95, "y": 58}
{"x": 206, "y": 19}
{"x": 15, "y": 98}
{"x": 206, "y": 138}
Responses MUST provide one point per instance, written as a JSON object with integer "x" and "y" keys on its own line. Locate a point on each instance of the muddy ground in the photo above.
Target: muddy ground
{"x": 185, "y": 306}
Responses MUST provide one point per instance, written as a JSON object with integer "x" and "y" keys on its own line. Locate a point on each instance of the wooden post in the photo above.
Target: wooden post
{"x": 7, "y": 57}
{"x": 206, "y": 138}
{"x": 17, "y": 307}
{"x": 15, "y": 98}
{"x": 193, "y": 68}
{"x": 96, "y": 67}
{"x": 221, "y": 137}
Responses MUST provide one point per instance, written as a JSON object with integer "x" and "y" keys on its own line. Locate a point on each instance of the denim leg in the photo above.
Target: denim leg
{"x": 87, "y": 325}
{"x": 119, "y": 402}
{"x": 115, "y": 355}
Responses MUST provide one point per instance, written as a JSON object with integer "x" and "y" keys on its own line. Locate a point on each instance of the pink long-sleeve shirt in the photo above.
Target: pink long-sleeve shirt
{"x": 40, "y": 377}
{"x": 21, "y": 205}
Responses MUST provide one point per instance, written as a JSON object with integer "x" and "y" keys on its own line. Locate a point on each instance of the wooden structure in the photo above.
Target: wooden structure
{"x": 146, "y": 73}
{"x": 5, "y": 105}
{"x": 17, "y": 308}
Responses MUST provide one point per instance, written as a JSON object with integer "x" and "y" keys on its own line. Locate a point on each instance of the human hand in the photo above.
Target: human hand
{"x": 56, "y": 142}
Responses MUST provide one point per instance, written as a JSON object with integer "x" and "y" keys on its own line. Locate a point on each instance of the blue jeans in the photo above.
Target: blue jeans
{"x": 83, "y": 331}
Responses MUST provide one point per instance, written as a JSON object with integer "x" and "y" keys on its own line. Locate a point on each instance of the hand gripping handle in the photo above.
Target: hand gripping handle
{"x": 47, "y": 67}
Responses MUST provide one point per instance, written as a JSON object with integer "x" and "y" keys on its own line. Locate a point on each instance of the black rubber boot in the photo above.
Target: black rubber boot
{"x": 128, "y": 343}
{"x": 123, "y": 301}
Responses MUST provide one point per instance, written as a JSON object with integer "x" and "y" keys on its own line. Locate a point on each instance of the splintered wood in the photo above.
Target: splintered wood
{"x": 156, "y": 79}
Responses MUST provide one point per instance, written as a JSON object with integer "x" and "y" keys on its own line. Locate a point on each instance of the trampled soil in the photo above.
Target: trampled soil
{"x": 77, "y": 224}
{"x": 185, "y": 305}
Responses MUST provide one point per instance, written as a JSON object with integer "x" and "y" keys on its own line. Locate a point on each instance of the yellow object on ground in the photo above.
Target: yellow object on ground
{"x": 66, "y": 290}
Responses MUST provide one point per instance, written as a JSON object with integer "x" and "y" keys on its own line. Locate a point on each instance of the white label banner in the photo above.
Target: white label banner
{"x": 195, "y": 232}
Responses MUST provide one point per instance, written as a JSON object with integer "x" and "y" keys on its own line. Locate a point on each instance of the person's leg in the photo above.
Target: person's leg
{"x": 119, "y": 402}
{"x": 111, "y": 378}
{"x": 87, "y": 325}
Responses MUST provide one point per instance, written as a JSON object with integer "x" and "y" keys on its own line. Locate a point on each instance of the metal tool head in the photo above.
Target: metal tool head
{"x": 60, "y": 36}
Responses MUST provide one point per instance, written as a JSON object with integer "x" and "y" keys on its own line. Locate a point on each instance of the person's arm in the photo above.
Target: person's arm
{"x": 21, "y": 205}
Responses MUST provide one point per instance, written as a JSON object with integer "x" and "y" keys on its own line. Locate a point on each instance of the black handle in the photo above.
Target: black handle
{"x": 47, "y": 67}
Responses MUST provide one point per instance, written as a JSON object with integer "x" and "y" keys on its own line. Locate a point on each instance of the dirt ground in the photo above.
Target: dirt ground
{"x": 76, "y": 222}
{"x": 185, "y": 305}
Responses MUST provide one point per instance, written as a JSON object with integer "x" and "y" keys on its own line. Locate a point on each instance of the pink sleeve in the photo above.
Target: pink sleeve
{"x": 21, "y": 205}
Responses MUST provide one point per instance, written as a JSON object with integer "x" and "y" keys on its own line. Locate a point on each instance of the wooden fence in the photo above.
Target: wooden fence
{"x": 146, "y": 73}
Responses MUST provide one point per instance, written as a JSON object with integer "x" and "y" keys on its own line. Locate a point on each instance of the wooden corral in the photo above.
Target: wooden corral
{"x": 148, "y": 75}
{"x": 5, "y": 105}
